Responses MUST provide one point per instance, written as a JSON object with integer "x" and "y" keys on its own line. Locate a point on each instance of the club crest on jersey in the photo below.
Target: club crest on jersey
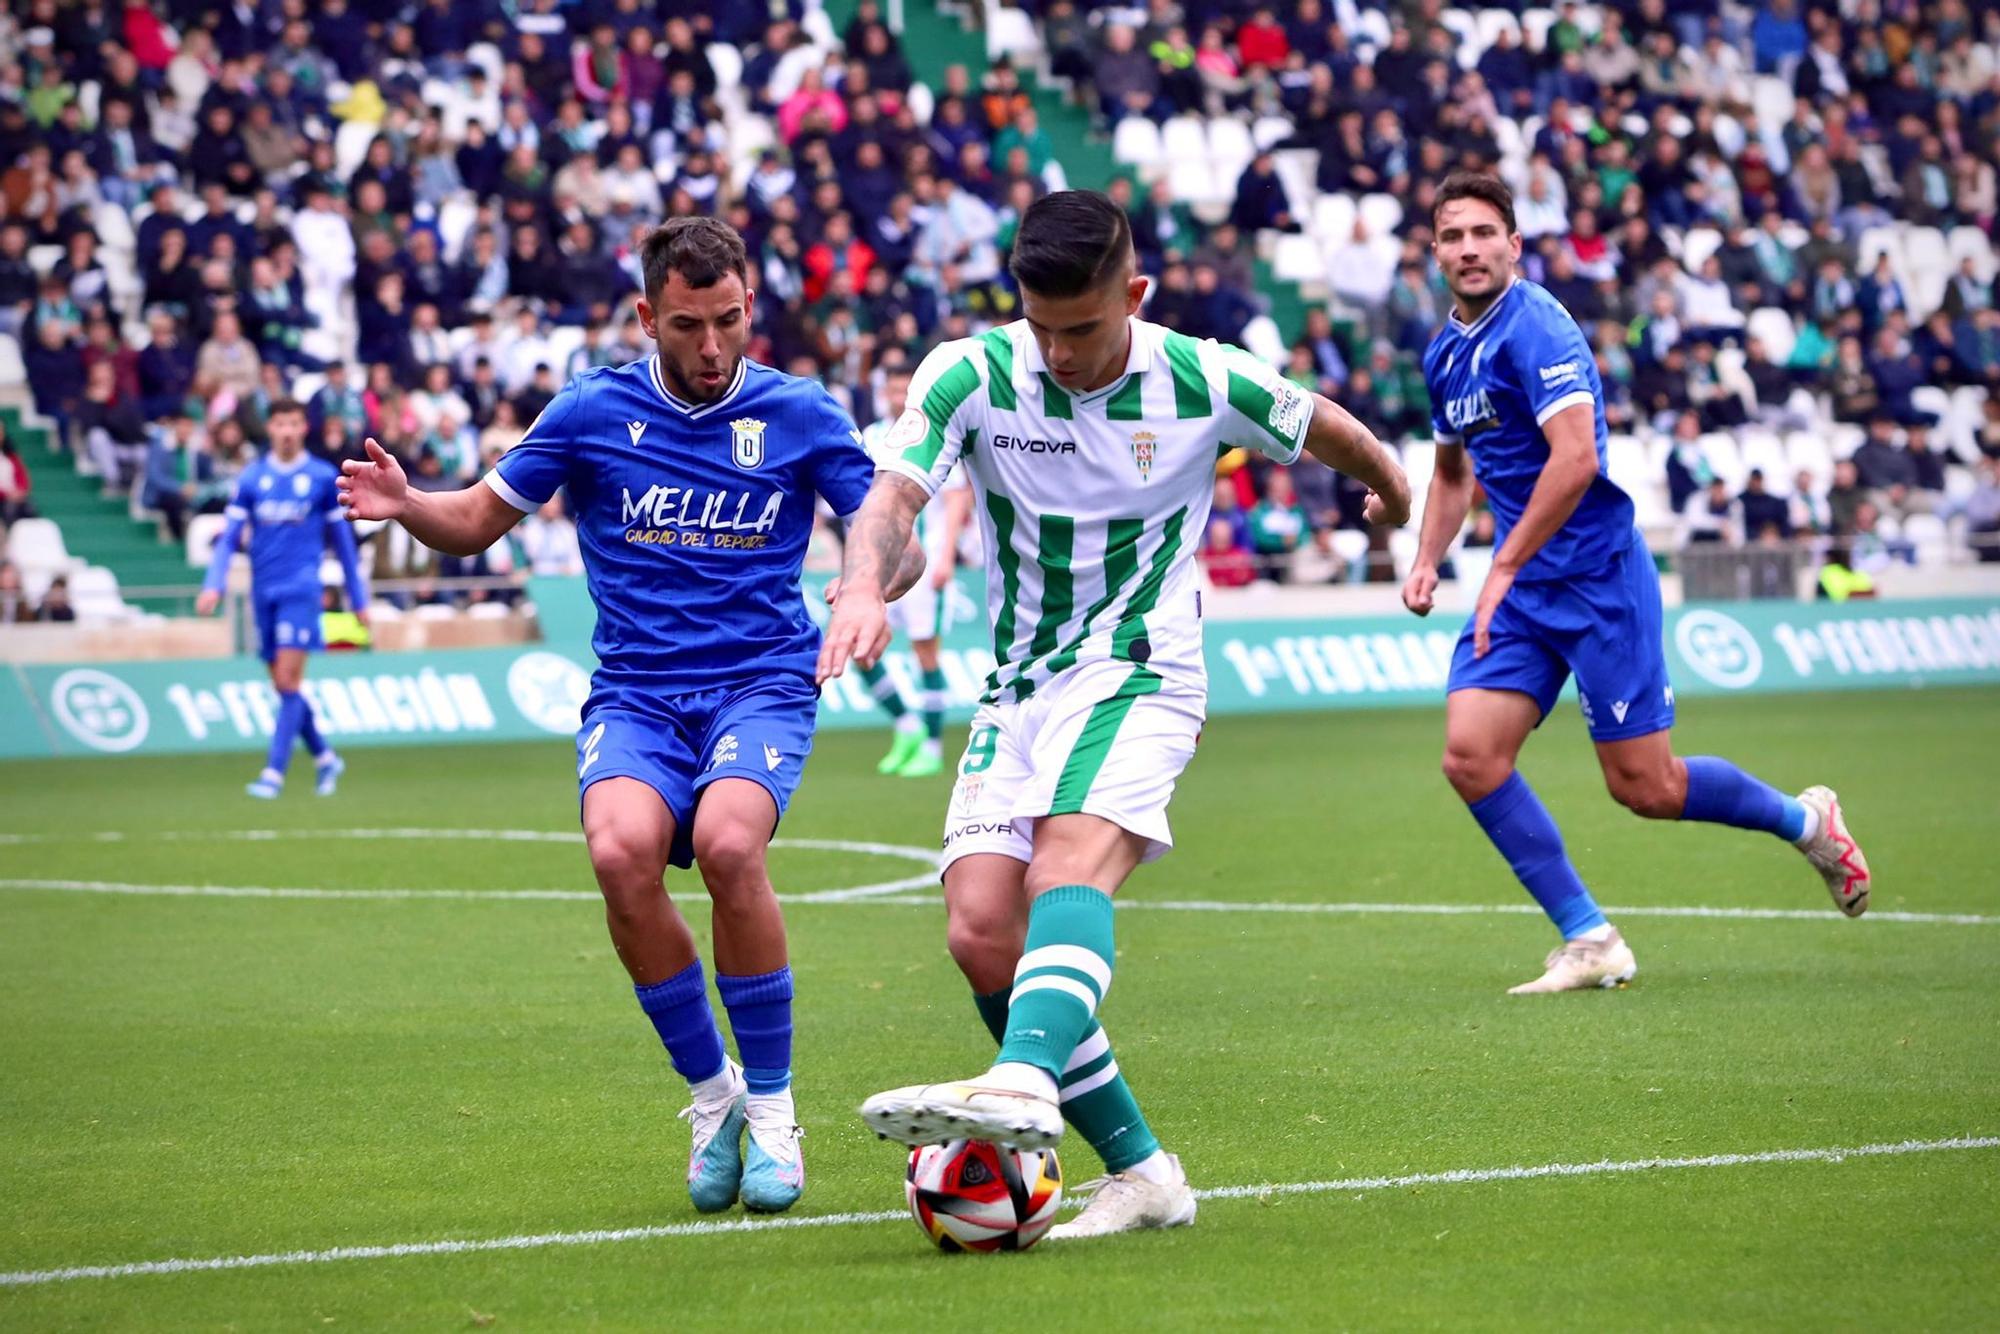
{"x": 746, "y": 442}
{"x": 301, "y": 484}
{"x": 908, "y": 432}
{"x": 1143, "y": 444}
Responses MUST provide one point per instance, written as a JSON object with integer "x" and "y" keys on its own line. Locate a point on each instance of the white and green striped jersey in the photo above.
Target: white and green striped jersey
{"x": 1092, "y": 505}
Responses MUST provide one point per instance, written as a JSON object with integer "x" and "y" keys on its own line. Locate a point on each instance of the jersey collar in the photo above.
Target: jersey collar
{"x": 1145, "y": 338}
{"x": 681, "y": 405}
{"x": 1462, "y": 327}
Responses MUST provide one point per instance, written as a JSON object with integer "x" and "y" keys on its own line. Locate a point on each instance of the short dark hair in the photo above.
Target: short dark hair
{"x": 1070, "y": 242}
{"x": 700, "y": 249}
{"x": 281, "y": 406}
{"x": 1480, "y": 185}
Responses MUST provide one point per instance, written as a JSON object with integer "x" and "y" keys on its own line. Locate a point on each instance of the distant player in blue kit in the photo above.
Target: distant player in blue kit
{"x": 1572, "y": 590}
{"x": 692, "y": 475}
{"x": 290, "y": 503}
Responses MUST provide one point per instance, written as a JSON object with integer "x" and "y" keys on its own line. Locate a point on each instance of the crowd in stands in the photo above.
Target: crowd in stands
{"x": 421, "y": 216}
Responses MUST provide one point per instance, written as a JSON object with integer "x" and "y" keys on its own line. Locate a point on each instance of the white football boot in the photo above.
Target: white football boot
{"x": 1127, "y": 1202}
{"x": 1834, "y": 853}
{"x": 1579, "y": 965}
{"x": 975, "y": 1109}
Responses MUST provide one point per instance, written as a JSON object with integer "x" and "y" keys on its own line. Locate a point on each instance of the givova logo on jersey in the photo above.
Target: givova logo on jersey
{"x": 699, "y": 516}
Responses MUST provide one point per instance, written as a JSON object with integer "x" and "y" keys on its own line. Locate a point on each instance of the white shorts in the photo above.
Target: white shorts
{"x": 1105, "y": 738}
{"x": 918, "y": 613}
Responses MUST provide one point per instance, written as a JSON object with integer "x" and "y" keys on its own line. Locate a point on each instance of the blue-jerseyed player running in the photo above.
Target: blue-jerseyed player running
{"x": 289, "y": 502}
{"x": 1572, "y": 591}
{"x": 692, "y": 475}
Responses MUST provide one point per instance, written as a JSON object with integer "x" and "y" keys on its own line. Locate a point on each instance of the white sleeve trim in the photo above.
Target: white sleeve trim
{"x": 1447, "y": 438}
{"x": 1569, "y": 400}
{"x": 235, "y": 512}
{"x": 902, "y": 467}
{"x": 509, "y": 494}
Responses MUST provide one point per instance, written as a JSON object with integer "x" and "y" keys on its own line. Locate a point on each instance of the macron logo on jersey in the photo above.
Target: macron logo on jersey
{"x": 635, "y": 430}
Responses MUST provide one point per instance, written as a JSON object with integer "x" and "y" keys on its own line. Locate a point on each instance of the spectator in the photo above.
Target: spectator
{"x": 1808, "y": 510}
{"x": 228, "y": 360}
{"x": 114, "y": 434}
{"x": 1889, "y": 473}
{"x": 549, "y": 542}
{"x": 1279, "y": 527}
{"x": 1760, "y": 510}
{"x": 1261, "y": 201}
{"x": 56, "y": 606}
{"x": 1711, "y": 517}
{"x": 1980, "y": 508}
{"x": 1224, "y": 558}
{"x": 180, "y": 475}
{"x": 15, "y": 608}
{"x": 17, "y": 487}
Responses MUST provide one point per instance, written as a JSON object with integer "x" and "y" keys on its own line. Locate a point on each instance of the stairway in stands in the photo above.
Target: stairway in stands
{"x": 94, "y": 529}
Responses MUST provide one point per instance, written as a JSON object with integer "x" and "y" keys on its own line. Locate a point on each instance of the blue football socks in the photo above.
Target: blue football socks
{"x": 1720, "y": 793}
{"x": 680, "y": 1013}
{"x": 1521, "y": 828}
{"x": 292, "y": 714}
{"x": 760, "y": 1015}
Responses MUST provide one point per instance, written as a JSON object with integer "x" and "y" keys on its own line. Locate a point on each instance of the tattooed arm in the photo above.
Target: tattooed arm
{"x": 882, "y": 562}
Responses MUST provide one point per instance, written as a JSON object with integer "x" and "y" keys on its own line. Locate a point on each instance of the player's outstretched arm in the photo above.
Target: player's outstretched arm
{"x": 458, "y": 523}
{"x": 877, "y": 567}
{"x": 1445, "y": 508}
{"x": 1341, "y": 442}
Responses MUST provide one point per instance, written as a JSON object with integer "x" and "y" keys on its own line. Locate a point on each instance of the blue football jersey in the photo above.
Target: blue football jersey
{"x": 693, "y": 518}
{"x": 291, "y": 511}
{"x": 1493, "y": 383}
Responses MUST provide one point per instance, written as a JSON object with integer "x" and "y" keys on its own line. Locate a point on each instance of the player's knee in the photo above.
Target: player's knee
{"x": 984, "y": 947}
{"x": 731, "y": 857}
{"x": 1644, "y": 793}
{"x": 628, "y": 873}
{"x": 1473, "y": 773}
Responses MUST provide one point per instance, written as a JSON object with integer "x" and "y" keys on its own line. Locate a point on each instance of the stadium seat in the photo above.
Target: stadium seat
{"x": 1136, "y": 143}
{"x": 923, "y": 103}
{"x": 13, "y": 371}
{"x": 435, "y": 611}
{"x": 1775, "y": 329}
{"x": 202, "y": 533}
{"x": 1011, "y": 36}
{"x": 1843, "y": 438}
{"x": 1299, "y": 259}
{"x": 1333, "y": 219}
{"x": 1764, "y": 450}
{"x": 1230, "y": 146}
{"x": 1371, "y": 27}
{"x": 1771, "y": 97}
{"x": 1493, "y": 22}
{"x": 1193, "y": 182}
{"x": 1295, "y": 167}
{"x": 1351, "y": 545}
{"x": 43, "y": 258}
{"x": 1381, "y": 214}
{"x": 1971, "y": 243}
{"x": 1697, "y": 244}
{"x": 1402, "y": 551}
{"x": 1723, "y": 455}
{"x": 1262, "y": 339}
{"x": 1927, "y": 533}
{"x": 1465, "y": 27}
{"x": 1183, "y": 138}
{"x": 818, "y": 25}
{"x": 727, "y": 62}
{"x": 1875, "y": 242}
{"x": 489, "y": 611}
{"x": 350, "y": 144}
{"x": 93, "y": 591}
{"x": 1270, "y": 131}
{"x": 37, "y": 544}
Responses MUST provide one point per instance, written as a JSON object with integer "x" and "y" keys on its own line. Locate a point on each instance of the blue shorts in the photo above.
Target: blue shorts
{"x": 677, "y": 745}
{"x": 288, "y": 619}
{"x": 1605, "y": 627}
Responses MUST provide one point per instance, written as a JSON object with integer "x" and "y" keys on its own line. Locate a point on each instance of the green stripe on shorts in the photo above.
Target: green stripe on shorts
{"x": 1093, "y": 744}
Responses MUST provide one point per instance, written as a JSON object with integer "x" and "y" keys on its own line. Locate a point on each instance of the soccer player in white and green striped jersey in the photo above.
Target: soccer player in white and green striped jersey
{"x": 1090, "y": 438}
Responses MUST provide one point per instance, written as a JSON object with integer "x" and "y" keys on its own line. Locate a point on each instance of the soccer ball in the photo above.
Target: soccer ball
{"x": 969, "y": 1195}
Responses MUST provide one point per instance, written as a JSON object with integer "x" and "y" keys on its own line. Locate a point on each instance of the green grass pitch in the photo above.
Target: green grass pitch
{"x": 197, "y": 1077}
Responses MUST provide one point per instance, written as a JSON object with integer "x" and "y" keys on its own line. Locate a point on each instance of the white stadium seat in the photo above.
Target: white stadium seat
{"x": 1382, "y": 214}
{"x": 1230, "y": 146}
{"x": 1136, "y": 142}
{"x": 203, "y": 531}
{"x": 1723, "y": 455}
{"x": 727, "y": 62}
{"x": 1971, "y": 243}
{"x": 1011, "y": 35}
{"x": 1270, "y": 131}
{"x": 37, "y": 544}
{"x": 1776, "y": 330}
{"x": 1333, "y": 219}
{"x": 1262, "y": 340}
{"x": 1763, "y": 450}
{"x": 13, "y": 371}
{"x": 93, "y": 591}
{"x": 1298, "y": 259}
{"x": 1697, "y": 245}
{"x": 1184, "y": 137}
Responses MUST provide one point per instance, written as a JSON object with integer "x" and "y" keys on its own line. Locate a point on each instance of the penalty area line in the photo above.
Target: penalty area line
{"x": 1349, "y": 1185}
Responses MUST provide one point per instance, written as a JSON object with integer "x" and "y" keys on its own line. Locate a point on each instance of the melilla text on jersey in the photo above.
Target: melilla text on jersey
{"x": 697, "y": 516}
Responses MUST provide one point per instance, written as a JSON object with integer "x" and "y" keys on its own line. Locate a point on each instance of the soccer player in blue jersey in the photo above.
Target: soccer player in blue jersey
{"x": 289, "y": 501}
{"x": 692, "y": 475}
{"x": 1515, "y": 393}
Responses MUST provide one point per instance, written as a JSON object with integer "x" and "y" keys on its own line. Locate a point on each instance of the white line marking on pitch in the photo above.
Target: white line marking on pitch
{"x": 1350, "y": 1185}
{"x": 891, "y": 894}
{"x": 845, "y": 894}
